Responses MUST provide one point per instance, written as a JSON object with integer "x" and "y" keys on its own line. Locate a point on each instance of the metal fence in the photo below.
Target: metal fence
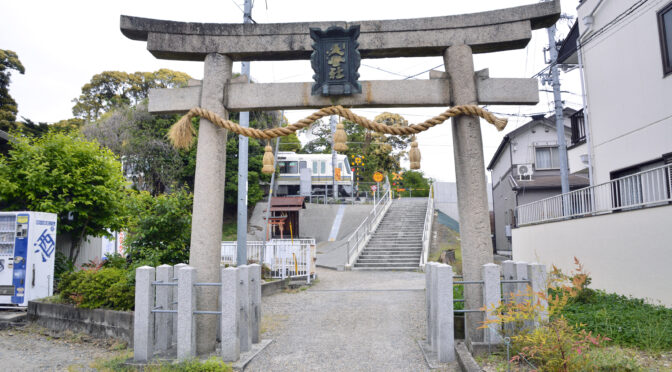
{"x": 652, "y": 187}
{"x": 283, "y": 257}
{"x": 360, "y": 237}
{"x": 427, "y": 229}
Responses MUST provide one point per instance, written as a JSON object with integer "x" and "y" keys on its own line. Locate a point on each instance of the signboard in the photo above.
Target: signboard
{"x": 374, "y": 188}
{"x": 337, "y": 173}
{"x": 397, "y": 176}
{"x": 335, "y": 60}
{"x": 377, "y": 176}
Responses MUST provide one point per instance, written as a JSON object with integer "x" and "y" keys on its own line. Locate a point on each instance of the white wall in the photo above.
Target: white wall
{"x": 628, "y": 253}
{"x": 523, "y": 145}
{"x": 629, "y": 109}
{"x": 574, "y": 158}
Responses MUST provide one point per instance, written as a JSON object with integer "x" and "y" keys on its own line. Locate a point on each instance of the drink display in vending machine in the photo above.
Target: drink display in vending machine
{"x": 27, "y": 253}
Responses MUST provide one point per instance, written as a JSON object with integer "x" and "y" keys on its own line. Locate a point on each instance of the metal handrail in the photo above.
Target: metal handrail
{"x": 361, "y": 235}
{"x": 646, "y": 188}
{"x": 427, "y": 228}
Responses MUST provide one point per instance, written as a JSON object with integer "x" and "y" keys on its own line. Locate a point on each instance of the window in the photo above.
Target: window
{"x": 347, "y": 168}
{"x": 291, "y": 167}
{"x": 665, "y": 31}
{"x": 314, "y": 167}
{"x": 323, "y": 167}
{"x": 303, "y": 164}
{"x": 547, "y": 158}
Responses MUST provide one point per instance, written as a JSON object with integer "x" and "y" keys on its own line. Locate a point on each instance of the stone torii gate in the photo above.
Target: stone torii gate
{"x": 455, "y": 38}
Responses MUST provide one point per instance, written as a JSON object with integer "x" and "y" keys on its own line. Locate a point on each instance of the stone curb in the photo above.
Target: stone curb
{"x": 464, "y": 359}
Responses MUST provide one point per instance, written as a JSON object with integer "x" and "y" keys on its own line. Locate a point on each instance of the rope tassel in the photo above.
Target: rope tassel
{"x": 181, "y": 134}
{"x": 414, "y": 154}
{"x": 340, "y": 137}
{"x": 268, "y": 167}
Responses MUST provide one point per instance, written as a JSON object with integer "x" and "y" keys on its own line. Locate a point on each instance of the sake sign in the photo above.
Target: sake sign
{"x": 335, "y": 61}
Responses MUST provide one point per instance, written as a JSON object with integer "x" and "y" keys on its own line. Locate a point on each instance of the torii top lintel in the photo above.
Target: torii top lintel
{"x": 491, "y": 31}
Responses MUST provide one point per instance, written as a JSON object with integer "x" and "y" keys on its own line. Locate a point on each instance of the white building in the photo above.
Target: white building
{"x": 620, "y": 227}
{"x": 526, "y": 168}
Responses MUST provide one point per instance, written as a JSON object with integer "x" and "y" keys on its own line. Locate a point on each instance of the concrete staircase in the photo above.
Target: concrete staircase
{"x": 397, "y": 242}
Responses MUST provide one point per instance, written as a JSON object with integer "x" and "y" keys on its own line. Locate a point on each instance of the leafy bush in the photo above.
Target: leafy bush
{"x": 555, "y": 345}
{"x": 108, "y": 288}
{"x": 159, "y": 228}
{"x": 62, "y": 265}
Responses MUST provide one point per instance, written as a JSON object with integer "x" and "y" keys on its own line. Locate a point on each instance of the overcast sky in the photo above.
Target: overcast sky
{"x": 62, "y": 44}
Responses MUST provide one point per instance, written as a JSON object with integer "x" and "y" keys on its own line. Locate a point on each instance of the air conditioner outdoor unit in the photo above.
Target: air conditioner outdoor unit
{"x": 525, "y": 171}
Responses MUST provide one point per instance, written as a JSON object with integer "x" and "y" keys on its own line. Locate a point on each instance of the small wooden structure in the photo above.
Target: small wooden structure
{"x": 285, "y": 213}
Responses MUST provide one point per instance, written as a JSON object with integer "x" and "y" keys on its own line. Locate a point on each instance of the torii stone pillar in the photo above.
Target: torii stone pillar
{"x": 206, "y": 225}
{"x": 472, "y": 201}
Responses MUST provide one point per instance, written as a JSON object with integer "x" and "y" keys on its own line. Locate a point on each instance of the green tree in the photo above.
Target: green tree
{"x": 69, "y": 176}
{"x": 382, "y": 153}
{"x": 415, "y": 184}
{"x": 159, "y": 227}
{"x": 113, "y": 89}
{"x": 139, "y": 138}
{"x": 9, "y": 60}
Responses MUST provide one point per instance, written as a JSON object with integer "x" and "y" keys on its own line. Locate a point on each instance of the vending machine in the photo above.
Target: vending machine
{"x": 27, "y": 252}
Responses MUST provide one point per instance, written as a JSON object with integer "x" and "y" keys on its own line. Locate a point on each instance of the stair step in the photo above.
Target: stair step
{"x": 387, "y": 264}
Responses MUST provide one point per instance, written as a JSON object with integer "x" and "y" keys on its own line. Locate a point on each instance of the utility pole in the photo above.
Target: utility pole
{"x": 559, "y": 119}
{"x": 332, "y": 121}
{"x": 241, "y": 256}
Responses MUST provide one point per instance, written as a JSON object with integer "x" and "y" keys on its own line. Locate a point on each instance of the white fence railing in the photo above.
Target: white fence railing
{"x": 648, "y": 188}
{"x": 283, "y": 257}
{"x": 427, "y": 229}
{"x": 358, "y": 239}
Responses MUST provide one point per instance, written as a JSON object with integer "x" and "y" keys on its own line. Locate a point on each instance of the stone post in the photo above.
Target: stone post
{"x": 536, "y": 272}
{"x": 230, "y": 312}
{"x": 176, "y": 269}
{"x": 428, "y": 302}
{"x": 255, "y": 303}
{"x": 520, "y": 271}
{"x": 434, "y": 305}
{"x": 509, "y": 273}
{"x": 445, "y": 339}
{"x": 471, "y": 182}
{"x": 186, "y": 301}
{"x": 492, "y": 295}
{"x": 206, "y": 230}
{"x": 143, "y": 319}
{"x": 244, "y": 308}
{"x": 163, "y": 323}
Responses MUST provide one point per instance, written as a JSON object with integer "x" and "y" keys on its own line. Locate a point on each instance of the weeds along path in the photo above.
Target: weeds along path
{"x": 348, "y": 321}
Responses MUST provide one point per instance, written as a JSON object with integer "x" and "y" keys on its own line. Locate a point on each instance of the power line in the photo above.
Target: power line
{"x": 420, "y": 73}
{"x": 383, "y": 70}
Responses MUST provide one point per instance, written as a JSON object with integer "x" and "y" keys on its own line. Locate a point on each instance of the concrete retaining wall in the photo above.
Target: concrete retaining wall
{"x": 101, "y": 322}
{"x": 94, "y": 322}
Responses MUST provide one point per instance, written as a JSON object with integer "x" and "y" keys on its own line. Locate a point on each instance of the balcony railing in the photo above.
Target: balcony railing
{"x": 578, "y": 128}
{"x": 644, "y": 189}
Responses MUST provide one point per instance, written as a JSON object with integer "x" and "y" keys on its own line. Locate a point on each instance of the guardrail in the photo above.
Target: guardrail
{"x": 283, "y": 257}
{"x": 358, "y": 239}
{"x": 427, "y": 229}
{"x": 644, "y": 189}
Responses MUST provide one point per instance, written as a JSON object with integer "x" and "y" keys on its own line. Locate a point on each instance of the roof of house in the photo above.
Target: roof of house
{"x": 552, "y": 181}
{"x": 549, "y": 121}
{"x": 288, "y": 203}
{"x": 567, "y": 54}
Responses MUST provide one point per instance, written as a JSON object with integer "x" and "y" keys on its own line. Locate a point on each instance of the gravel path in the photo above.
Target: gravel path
{"x": 33, "y": 348}
{"x": 348, "y": 321}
